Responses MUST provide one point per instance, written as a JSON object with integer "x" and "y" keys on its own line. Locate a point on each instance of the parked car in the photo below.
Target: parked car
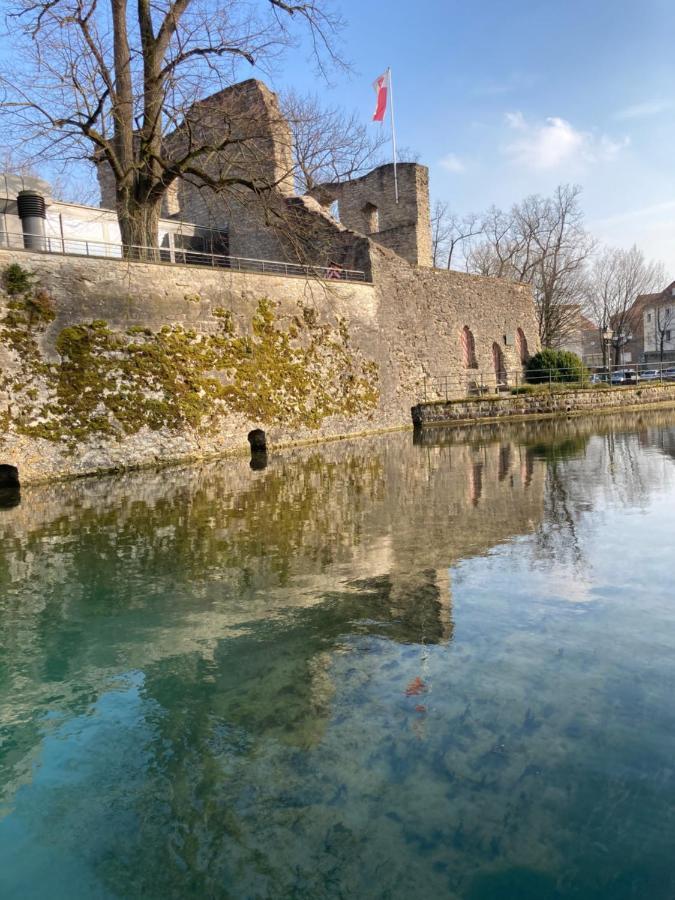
{"x": 600, "y": 378}
{"x": 669, "y": 374}
{"x": 650, "y": 375}
{"x": 625, "y": 376}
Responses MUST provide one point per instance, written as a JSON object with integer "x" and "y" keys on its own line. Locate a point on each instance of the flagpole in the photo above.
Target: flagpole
{"x": 393, "y": 131}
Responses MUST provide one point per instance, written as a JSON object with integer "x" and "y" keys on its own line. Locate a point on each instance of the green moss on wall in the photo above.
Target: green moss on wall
{"x": 113, "y": 383}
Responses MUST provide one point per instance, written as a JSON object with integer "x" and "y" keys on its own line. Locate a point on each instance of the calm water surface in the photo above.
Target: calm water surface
{"x": 386, "y": 669}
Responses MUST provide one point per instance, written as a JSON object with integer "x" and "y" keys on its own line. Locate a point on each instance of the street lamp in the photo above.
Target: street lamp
{"x": 607, "y": 337}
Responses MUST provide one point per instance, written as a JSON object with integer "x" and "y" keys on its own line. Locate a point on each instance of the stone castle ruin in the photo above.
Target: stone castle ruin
{"x": 310, "y": 316}
{"x": 278, "y": 224}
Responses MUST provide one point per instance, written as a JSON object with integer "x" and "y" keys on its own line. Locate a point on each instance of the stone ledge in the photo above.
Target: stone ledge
{"x": 525, "y": 406}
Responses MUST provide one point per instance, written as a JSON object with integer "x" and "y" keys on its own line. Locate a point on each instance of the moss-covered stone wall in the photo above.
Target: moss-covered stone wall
{"x": 106, "y": 364}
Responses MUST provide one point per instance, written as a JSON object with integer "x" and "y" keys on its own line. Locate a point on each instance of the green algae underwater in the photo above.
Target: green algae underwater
{"x": 386, "y": 668}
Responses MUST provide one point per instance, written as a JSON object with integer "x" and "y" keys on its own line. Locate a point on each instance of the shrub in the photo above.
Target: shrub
{"x": 554, "y": 365}
{"x": 40, "y": 307}
{"x": 16, "y": 280}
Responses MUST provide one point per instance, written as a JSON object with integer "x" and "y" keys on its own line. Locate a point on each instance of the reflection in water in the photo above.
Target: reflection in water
{"x": 376, "y": 669}
{"x": 9, "y": 497}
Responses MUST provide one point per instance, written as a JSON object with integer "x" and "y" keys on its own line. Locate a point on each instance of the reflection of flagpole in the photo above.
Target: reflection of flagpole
{"x": 393, "y": 131}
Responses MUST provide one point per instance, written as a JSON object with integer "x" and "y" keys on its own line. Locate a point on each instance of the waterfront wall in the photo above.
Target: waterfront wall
{"x": 541, "y": 404}
{"x": 123, "y": 364}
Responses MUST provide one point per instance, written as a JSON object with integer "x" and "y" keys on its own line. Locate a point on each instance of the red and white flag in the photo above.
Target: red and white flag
{"x": 381, "y": 88}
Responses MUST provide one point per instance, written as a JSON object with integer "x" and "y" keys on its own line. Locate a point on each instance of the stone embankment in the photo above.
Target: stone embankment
{"x": 542, "y": 404}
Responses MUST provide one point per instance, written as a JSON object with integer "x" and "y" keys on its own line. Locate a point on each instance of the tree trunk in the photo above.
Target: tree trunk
{"x": 139, "y": 227}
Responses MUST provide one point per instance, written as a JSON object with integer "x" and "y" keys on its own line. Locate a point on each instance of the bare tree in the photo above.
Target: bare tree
{"x": 616, "y": 279}
{"x": 540, "y": 242}
{"x": 101, "y": 81}
{"x": 329, "y": 144}
{"x": 451, "y": 234}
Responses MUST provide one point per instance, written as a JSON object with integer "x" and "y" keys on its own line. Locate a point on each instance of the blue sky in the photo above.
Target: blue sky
{"x": 501, "y": 99}
{"x": 505, "y": 99}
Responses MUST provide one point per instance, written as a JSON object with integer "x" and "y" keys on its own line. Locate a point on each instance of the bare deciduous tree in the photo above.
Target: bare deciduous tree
{"x": 97, "y": 79}
{"x": 451, "y": 234}
{"x": 329, "y": 144}
{"x": 541, "y": 242}
{"x": 616, "y": 279}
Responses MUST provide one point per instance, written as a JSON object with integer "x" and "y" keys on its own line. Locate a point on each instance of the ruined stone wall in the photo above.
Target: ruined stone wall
{"x": 142, "y": 362}
{"x": 368, "y": 205}
{"x": 258, "y": 149}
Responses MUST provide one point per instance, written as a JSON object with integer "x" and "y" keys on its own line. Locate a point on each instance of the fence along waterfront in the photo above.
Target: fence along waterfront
{"x": 476, "y": 383}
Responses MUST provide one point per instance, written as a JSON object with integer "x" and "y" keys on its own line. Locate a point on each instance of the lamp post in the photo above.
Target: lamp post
{"x": 607, "y": 338}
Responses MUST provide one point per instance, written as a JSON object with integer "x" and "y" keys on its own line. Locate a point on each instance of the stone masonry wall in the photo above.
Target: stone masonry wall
{"x": 542, "y": 404}
{"x": 403, "y": 227}
{"x": 138, "y": 362}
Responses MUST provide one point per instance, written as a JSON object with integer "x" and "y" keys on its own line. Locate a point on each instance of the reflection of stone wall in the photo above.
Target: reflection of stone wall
{"x": 161, "y": 568}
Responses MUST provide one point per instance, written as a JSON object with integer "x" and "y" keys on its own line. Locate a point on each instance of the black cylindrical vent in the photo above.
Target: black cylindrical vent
{"x": 31, "y": 205}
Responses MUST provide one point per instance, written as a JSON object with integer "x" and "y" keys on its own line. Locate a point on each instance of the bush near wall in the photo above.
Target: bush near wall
{"x": 554, "y": 365}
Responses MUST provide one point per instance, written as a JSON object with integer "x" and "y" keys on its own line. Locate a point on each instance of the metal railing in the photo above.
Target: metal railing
{"x": 478, "y": 383}
{"x": 173, "y": 256}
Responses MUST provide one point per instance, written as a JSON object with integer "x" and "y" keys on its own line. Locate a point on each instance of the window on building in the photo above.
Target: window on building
{"x": 334, "y": 210}
{"x": 649, "y": 317}
{"x": 469, "y": 360}
{"x": 371, "y": 218}
{"x": 668, "y": 335}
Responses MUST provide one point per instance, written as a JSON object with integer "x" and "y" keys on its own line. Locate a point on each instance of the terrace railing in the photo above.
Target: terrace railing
{"x": 170, "y": 256}
{"x": 478, "y": 383}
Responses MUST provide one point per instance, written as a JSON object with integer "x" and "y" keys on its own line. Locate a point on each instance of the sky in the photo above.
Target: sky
{"x": 501, "y": 100}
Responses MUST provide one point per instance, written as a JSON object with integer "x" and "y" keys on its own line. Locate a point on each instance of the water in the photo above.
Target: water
{"x": 374, "y": 669}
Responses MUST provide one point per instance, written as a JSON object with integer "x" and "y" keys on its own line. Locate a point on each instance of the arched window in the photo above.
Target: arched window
{"x": 371, "y": 218}
{"x": 500, "y": 368}
{"x": 468, "y": 349}
{"x": 521, "y": 346}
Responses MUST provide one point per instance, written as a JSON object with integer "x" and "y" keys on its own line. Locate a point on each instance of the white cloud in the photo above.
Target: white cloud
{"x": 452, "y": 163}
{"x": 556, "y": 143}
{"x": 643, "y": 110}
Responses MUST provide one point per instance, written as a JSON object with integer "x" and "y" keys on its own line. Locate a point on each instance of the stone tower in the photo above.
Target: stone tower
{"x": 368, "y": 205}
{"x": 244, "y": 136}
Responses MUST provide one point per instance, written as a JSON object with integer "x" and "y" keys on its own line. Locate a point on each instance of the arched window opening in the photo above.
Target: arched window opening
{"x": 500, "y": 368}
{"x": 468, "y": 349}
{"x": 521, "y": 346}
{"x": 371, "y": 218}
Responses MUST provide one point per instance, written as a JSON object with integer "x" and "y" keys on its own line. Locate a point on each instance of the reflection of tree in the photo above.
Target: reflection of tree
{"x": 586, "y": 474}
